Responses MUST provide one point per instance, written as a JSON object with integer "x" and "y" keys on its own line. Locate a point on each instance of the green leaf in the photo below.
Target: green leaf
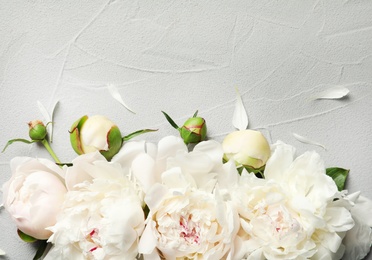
{"x": 338, "y": 175}
{"x": 41, "y": 250}
{"x": 139, "y": 132}
{"x": 25, "y": 237}
{"x": 170, "y": 120}
{"x": 18, "y": 140}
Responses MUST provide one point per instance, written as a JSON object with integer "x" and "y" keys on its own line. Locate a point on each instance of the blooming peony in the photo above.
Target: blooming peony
{"x": 102, "y": 217}
{"x": 188, "y": 217}
{"x": 34, "y": 194}
{"x": 292, "y": 213}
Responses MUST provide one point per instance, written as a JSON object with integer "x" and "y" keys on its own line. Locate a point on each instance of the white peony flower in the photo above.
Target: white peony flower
{"x": 102, "y": 217}
{"x": 291, "y": 214}
{"x": 34, "y": 194}
{"x": 188, "y": 217}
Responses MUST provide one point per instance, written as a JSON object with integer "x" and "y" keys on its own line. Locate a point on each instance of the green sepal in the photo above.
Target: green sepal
{"x": 61, "y": 164}
{"x": 259, "y": 172}
{"x": 195, "y": 114}
{"x": 41, "y": 250}
{"x": 189, "y": 136}
{"x": 170, "y": 120}
{"x": 338, "y": 175}
{"x": 114, "y": 141}
{"x": 194, "y": 130}
{"x": 136, "y": 133}
{"x": 25, "y": 237}
{"x": 19, "y": 140}
{"x": 75, "y": 134}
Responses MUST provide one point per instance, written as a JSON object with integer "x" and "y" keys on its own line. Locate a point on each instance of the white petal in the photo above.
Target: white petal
{"x": 147, "y": 243}
{"x": 2, "y": 252}
{"x": 358, "y": 240}
{"x": 240, "y": 118}
{"x": 129, "y": 152}
{"x": 48, "y": 118}
{"x": 212, "y": 148}
{"x": 363, "y": 209}
{"x": 50, "y": 126}
{"x": 281, "y": 158}
{"x": 336, "y": 92}
{"x": 173, "y": 178}
{"x": 116, "y": 95}
{"x": 143, "y": 167}
{"x": 305, "y": 140}
{"x": 43, "y": 111}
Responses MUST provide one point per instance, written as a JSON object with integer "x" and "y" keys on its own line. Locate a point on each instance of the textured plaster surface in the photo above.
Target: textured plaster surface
{"x": 182, "y": 56}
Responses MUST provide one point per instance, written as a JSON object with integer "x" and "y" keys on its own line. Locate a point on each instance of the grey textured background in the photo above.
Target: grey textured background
{"x": 180, "y": 56}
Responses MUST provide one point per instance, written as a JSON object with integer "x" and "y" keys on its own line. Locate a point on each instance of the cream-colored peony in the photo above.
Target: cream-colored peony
{"x": 102, "y": 217}
{"x": 292, "y": 213}
{"x": 188, "y": 217}
{"x": 34, "y": 194}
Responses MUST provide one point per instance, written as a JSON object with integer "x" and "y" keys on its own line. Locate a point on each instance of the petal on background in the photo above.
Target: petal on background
{"x": 48, "y": 117}
{"x": 240, "y": 118}
{"x": 116, "y": 95}
{"x": 305, "y": 140}
{"x": 2, "y": 252}
{"x": 336, "y": 92}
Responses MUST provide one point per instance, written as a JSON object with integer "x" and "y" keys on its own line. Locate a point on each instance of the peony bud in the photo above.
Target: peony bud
{"x": 96, "y": 133}
{"x": 194, "y": 130}
{"x": 37, "y": 130}
{"x": 247, "y": 148}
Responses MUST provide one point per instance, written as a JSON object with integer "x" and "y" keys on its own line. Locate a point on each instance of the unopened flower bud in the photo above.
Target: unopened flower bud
{"x": 247, "y": 148}
{"x": 194, "y": 130}
{"x": 37, "y": 130}
{"x": 96, "y": 133}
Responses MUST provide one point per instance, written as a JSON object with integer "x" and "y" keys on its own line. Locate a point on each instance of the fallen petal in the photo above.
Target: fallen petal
{"x": 305, "y": 140}
{"x": 336, "y": 92}
{"x": 116, "y": 95}
{"x": 240, "y": 118}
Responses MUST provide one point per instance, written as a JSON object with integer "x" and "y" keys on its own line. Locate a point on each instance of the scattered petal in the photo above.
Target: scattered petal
{"x": 50, "y": 126}
{"x": 240, "y": 118}
{"x": 43, "y": 111}
{"x": 48, "y": 118}
{"x": 116, "y": 95}
{"x": 336, "y": 92}
{"x": 305, "y": 140}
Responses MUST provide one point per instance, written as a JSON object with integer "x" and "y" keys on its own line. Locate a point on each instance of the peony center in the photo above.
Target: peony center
{"x": 189, "y": 230}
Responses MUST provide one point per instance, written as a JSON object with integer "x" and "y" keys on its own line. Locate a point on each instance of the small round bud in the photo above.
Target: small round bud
{"x": 37, "y": 130}
{"x": 194, "y": 130}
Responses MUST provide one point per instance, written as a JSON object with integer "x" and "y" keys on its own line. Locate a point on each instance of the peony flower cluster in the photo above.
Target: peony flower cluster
{"x": 240, "y": 199}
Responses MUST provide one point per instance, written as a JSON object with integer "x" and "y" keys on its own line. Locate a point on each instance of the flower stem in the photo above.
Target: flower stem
{"x": 50, "y": 150}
